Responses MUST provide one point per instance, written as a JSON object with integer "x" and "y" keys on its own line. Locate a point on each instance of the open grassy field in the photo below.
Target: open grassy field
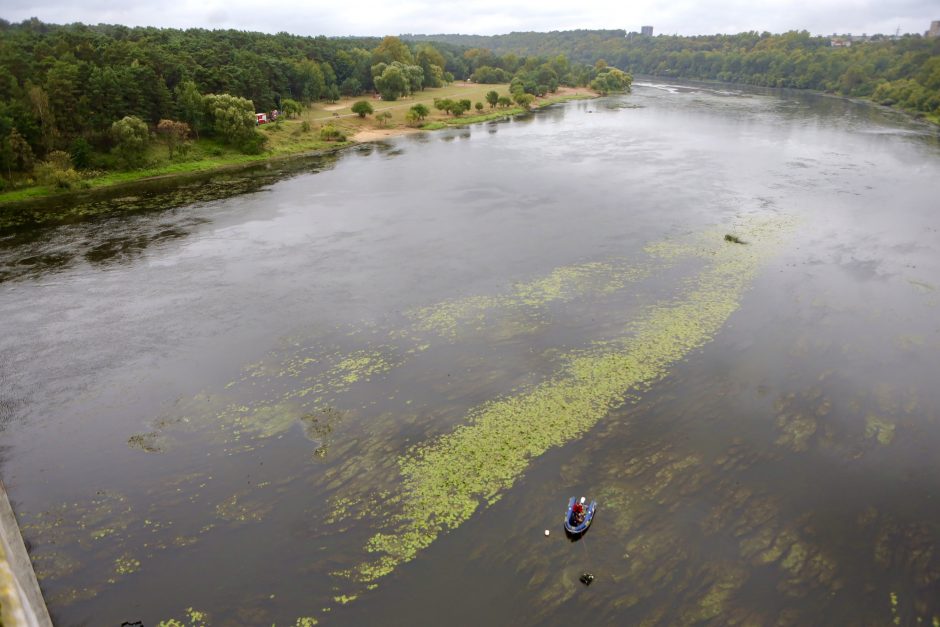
{"x": 340, "y": 114}
{"x": 456, "y": 91}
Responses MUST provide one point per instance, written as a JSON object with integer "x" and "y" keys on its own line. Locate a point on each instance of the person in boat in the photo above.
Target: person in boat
{"x": 577, "y": 514}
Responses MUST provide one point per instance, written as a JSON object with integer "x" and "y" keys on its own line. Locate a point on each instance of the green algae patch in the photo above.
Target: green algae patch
{"x": 922, "y": 286}
{"x": 445, "y": 481}
{"x": 105, "y": 515}
{"x": 151, "y": 442}
{"x": 194, "y": 618}
{"x": 125, "y": 565}
{"x": 362, "y": 365}
{"x": 315, "y": 376}
{"x": 236, "y": 510}
{"x": 267, "y": 421}
{"x": 796, "y": 430}
{"x": 715, "y": 599}
{"x": 910, "y": 342}
{"x": 879, "y": 428}
{"x": 563, "y": 284}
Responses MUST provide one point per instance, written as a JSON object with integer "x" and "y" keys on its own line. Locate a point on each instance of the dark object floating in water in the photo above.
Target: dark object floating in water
{"x": 586, "y": 578}
{"x": 734, "y": 239}
{"x": 576, "y": 524}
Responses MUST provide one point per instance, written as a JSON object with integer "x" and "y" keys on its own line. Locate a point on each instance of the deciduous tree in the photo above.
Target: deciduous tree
{"x": 420, "y": 111}
{"x": 392, "y": 49}
{"x": 290, "y": 108}
{"x": 19, "y": 155}
{"x": 523, "y": 99}
{"x": 383, "y": 117}
{"x": 174, "y": 134}
{"x": 131, "y": 138}
{"x": 391, "y": 84}
{"x": 362, "y": 108}
{"x": 351, "y": 87}
{"x": 40, "y": 105}
{"x": 492, "y": 97}
{"x": 232, "y": 118}
{"x": 191, "y": 106}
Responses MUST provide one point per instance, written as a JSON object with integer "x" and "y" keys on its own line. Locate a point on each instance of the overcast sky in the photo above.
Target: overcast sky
{"x": 490, "y": 17}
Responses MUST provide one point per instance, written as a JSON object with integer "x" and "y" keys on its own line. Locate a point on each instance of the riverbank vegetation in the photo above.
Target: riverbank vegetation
{"x": 903, "y": 72}
{"x": 320, "y": 127}
{"x": 85, "y": 106}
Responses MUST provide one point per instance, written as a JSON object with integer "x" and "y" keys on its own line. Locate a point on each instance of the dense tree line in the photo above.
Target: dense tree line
{"x": 904, "y": 72}
{"x": 538, "y": 75}
{"x": 62, "y": 88}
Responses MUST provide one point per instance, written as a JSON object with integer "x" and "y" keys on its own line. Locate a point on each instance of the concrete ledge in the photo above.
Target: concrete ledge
{"x": 21, "y": 602}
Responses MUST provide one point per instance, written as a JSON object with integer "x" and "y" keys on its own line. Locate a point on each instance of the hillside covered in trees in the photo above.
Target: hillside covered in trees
{"x": 903, "y": 72}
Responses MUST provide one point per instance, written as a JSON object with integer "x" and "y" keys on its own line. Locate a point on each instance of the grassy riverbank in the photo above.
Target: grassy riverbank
{"x": 302, "y": 136}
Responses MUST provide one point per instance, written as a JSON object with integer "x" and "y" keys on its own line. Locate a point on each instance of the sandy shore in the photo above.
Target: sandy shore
{"x": 377, "y": 134}
{"x": 374, "y": 134}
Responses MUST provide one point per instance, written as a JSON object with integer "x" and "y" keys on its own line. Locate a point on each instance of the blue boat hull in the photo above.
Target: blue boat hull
{"x": 578, "y": 529}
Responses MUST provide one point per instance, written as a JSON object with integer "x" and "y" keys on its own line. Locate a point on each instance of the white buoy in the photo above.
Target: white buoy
{"x": 546, "y": 532}
{"x": 582, "y": 500}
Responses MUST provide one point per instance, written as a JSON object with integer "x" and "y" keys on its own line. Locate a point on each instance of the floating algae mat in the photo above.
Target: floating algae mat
{"x": 306, "y": 376}
{"x": 445, "y": 481}
{"x": 562, "y": 284}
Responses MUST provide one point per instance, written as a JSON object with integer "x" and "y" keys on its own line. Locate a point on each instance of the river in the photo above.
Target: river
{"x": 358, "y": 389}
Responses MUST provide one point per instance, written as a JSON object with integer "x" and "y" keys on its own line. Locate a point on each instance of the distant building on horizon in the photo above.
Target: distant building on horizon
{"x": 648, "y": 30}
{"x": 846, "y": 40}
{"x": 934, "y": 29}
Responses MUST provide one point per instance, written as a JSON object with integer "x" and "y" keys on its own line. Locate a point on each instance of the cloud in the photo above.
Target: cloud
{"x": 488, "y": 17}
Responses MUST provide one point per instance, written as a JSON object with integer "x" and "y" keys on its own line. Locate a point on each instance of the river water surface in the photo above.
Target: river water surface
{"x": 356, "y": 390}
